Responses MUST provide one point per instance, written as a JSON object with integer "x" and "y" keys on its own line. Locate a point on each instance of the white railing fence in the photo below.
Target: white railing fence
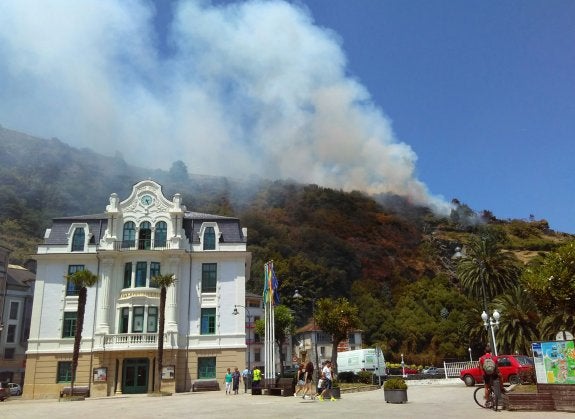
{"x": 452, "y": 369}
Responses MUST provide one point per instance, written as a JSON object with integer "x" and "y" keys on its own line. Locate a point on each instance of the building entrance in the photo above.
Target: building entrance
{"x": 135, "y": 375}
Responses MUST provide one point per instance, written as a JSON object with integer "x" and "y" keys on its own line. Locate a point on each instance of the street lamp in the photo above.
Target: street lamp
{"x": 235, "y": 313}
{"x": 298, "y": 295}
{"x": 403, "y": 367}
{"x": 470, "y": 358}
{"x": 491, "y": 322}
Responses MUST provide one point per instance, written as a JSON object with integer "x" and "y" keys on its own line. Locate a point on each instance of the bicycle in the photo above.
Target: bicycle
{"x": 493, "y": 397}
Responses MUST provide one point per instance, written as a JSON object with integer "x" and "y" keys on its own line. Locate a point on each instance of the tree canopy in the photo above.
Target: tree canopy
{"x": 337, "y": 317}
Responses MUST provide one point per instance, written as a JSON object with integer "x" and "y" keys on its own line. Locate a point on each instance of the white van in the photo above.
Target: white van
{"x": 362, "y": 360}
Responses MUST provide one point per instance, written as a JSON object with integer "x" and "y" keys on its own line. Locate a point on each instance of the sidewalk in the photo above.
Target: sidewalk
{"x": 426, "y": 400}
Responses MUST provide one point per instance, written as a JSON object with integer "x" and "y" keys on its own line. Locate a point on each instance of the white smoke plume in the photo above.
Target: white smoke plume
{"x": 245, "y": 88}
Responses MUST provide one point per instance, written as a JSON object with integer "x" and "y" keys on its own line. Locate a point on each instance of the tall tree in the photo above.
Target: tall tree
{"x": 336, "y": 317}
{"x": 82, "y": 280}
{"x": 486, "y": 270}
{"x": 552, "y": 285}
{"x": 519, "y": 320}
{"x": 162, "y": 281}
{"x": 284, "y": 327}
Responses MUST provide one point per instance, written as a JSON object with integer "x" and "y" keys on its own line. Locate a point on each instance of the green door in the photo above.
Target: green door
{"x": 135, "y": 374}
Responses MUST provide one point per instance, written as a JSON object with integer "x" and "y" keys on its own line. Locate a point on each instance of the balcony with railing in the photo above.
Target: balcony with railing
{"x": 142, "y": 244}
{"x": 136, "y": 341}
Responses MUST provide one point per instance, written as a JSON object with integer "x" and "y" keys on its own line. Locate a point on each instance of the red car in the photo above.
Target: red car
{"x": 510, "y": 367}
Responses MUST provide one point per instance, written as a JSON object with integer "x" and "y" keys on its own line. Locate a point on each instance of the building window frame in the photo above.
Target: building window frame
{"x": 160, "y": 234}
{"x": 209, "y": 277}
{"x": 128, "y": 275}
{"x": 141, "y": 279}
{"x": 78, "y": 239}
{"x": 138, "y": 314}
{"x": 14, "y": 308}
{"x": 209, "y": 241}
{"x": 129, "y": 234}
{"x": 152, "y": 321}
{"x": 155, "y": 270}
{"x": 69, "y": 324}
{"x": 208, "y": 321}
{"x": 206, "y": 367}
{"x": 64, "y": 372}
{"x": 11, "y": 332}
{"x": 72, "y": 290}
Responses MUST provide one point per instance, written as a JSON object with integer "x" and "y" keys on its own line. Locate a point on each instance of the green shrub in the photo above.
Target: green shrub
{"x": 347, "y": 377}
{"x": 365, "y": 377}
{"x": 395, "y": 384}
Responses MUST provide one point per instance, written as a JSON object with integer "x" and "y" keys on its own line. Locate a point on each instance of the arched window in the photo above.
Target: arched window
{"x": 78, "y": 240}
{"x": 209, "y": 239}
{"x": 145, "y": 235}
{"x": 129, "y": 235}
{"x": 161, "y": 234}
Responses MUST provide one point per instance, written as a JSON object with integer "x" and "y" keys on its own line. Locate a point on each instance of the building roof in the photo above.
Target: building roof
{"x": 61, "y": 226}
{"x": 20, "y": 277}
{"x": 229, "y": 227}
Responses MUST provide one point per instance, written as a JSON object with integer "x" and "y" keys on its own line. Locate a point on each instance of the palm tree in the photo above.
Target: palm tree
{"x": 486, "y": 271}
{"x": 519, "y": 321}
{"x": 82, "y": 280}
{"x": 162, "y": 281}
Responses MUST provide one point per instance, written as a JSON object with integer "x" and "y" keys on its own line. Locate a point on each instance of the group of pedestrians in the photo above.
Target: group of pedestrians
{"x": 304, "y": 385}
{"x": 324, "y": 385}
{"x": 232, "y": 379}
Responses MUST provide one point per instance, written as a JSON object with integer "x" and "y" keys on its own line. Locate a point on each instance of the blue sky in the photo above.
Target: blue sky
{"x": 483, "y": 91}
{"x": 435, "y": 100}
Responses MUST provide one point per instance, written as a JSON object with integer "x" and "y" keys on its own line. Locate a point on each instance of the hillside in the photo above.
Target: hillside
{"x": 390, "y": 258}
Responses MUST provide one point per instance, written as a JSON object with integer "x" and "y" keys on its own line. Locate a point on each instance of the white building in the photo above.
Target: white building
{"x": 316, "y": 346}
{"x": 134, "y": 240}
{"x": 16, "y": 291}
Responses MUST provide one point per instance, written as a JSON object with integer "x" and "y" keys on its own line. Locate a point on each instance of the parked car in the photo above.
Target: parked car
{"x": 4, "y": 391}
{"x": 431, "y": 371}
{"x": 15, "y": 389}
{"x": 510, "y": 366}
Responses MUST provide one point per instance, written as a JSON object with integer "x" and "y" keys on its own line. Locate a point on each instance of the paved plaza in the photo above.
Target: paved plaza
{"x": 426, "y": 400}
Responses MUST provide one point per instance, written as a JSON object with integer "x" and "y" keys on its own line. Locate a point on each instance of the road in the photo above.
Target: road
{"x": 426, "y": 400}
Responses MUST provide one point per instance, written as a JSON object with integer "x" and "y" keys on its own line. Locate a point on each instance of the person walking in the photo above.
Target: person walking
{"x": 228, "y": 380}
{"x": 308, "y": 379}
{"x": 246, "y": 375}
{"x": 236, "y": 377}
{"x": 300, "y": 383}
{"x": 327, "y": 373}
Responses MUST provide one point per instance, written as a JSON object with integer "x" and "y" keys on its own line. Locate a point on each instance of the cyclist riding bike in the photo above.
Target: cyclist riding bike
{"x": 488, "y": 364}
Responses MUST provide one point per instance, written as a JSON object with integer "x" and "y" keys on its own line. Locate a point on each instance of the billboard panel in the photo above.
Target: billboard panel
{"x": 554, "y": 361}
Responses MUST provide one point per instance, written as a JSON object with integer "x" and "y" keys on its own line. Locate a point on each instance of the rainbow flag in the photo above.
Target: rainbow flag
{"x": 271, "y": 285}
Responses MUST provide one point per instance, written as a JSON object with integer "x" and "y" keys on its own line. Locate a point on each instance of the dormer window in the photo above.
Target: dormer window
{"x": 78, "y": 240}
{"x": 209, "y": 239}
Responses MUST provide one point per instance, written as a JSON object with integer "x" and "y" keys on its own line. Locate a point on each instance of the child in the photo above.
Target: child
{"x": 320, "y": 386}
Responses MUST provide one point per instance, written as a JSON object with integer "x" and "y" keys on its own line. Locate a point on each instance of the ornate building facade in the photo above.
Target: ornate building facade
{"x": 134, "y": 240}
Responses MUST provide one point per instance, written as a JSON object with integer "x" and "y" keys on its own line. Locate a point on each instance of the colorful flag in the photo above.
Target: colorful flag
{"x": 271, "y": 285}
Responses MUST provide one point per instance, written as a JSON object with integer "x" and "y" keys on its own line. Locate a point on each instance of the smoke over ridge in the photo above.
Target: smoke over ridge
{"x": 247, "y": 88}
